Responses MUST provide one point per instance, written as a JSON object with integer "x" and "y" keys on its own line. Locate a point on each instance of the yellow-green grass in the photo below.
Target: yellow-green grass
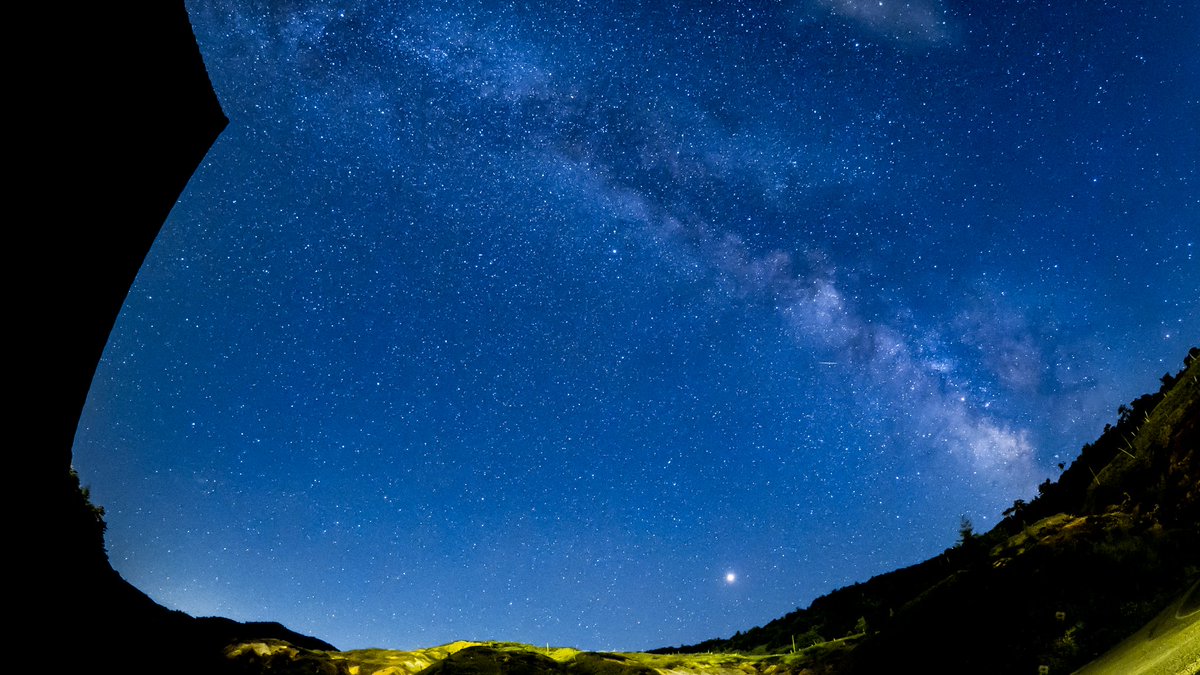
{"x": 1168, "y": 645}
{"x": 393, "y": 662}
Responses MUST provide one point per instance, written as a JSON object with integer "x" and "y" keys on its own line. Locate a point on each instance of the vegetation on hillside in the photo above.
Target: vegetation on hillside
{"x": 495, "y": 658}
{"x": 1062, "y": 578}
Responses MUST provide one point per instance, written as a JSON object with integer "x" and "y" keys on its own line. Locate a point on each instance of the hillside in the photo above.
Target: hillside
{"x": 493, "y": 658}
{"x": 1058, "y": 581}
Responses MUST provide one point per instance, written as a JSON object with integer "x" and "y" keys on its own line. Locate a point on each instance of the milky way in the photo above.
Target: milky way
{"x": 623, "y": 325}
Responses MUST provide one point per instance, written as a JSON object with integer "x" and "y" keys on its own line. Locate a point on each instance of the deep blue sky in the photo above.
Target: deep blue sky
{"x": 533, "y": 320}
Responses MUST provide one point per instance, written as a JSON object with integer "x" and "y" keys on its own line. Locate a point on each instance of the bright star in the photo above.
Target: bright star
{"x": 730, "y": 577}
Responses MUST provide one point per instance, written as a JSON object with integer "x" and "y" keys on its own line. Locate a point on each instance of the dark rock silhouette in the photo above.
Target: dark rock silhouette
{"x": 120, "y": 125}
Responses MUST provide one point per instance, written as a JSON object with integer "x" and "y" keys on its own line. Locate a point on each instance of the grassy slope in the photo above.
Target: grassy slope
{"x": 493, "y": 658}
{"x": 1058, "y": 581}
{"x": 1168, "y": 645}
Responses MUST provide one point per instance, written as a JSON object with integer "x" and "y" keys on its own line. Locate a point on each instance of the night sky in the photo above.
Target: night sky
{"x": 622, "y": 325}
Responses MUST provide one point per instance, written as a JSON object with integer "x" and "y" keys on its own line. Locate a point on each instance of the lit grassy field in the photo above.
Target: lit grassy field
{"x": 1168, "y": 645}
{"x": 490, "y": 658}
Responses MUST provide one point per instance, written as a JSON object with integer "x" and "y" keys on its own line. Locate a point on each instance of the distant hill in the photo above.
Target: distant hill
{"x": 1057, "y": 582}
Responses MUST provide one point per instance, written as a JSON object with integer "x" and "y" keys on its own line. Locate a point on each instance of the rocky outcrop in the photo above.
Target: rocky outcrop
{"x": 124, "y": 113}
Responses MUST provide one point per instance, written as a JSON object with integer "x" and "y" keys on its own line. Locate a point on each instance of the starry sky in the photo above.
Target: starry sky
{"x": 622, "y": 325}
